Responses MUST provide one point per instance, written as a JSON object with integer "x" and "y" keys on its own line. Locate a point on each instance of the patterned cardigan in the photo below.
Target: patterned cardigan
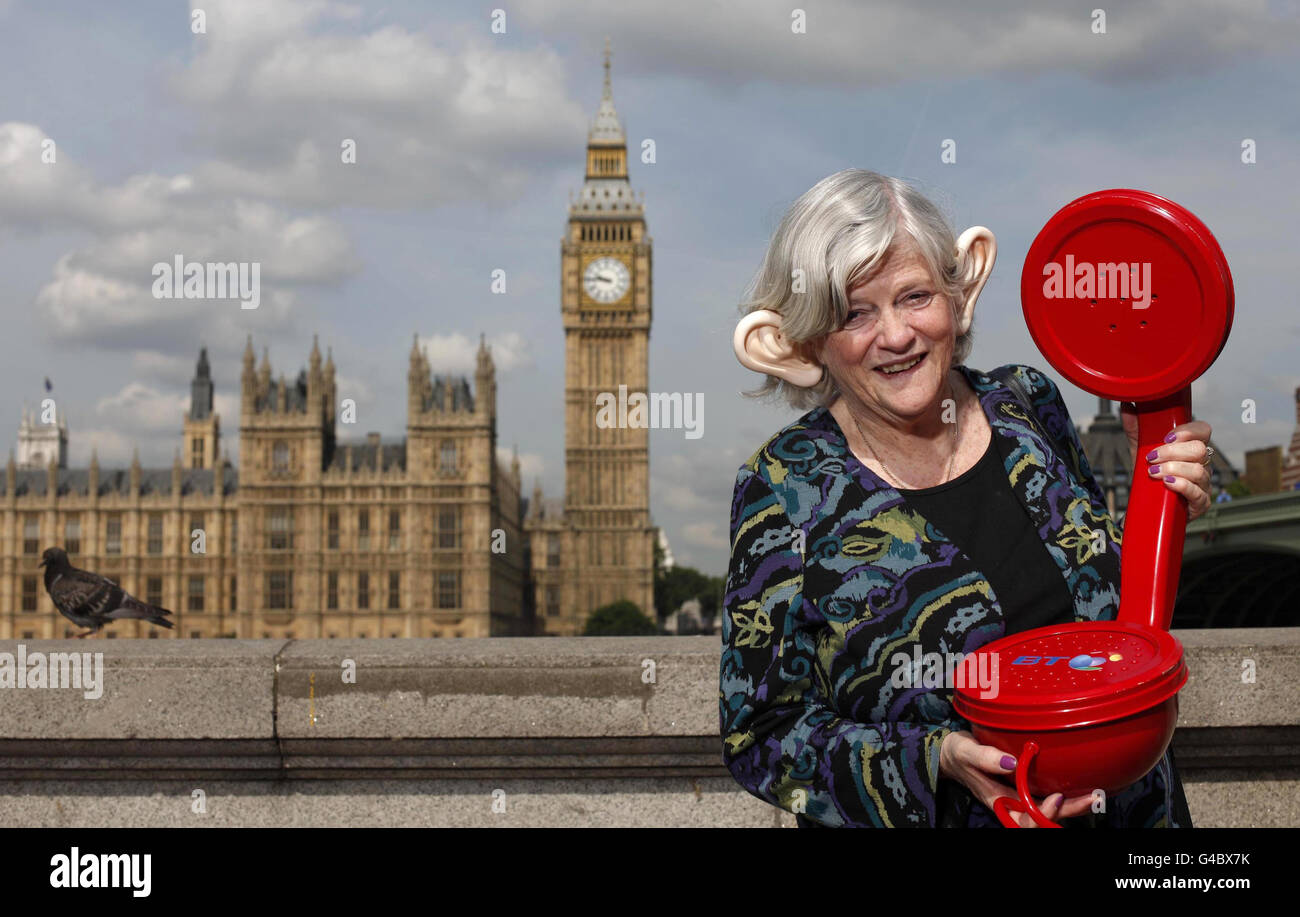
{"x": 832, "y": 573}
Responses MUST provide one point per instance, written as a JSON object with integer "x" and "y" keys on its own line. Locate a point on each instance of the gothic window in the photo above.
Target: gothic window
{"x": 394, "y": 589}
{"x": 196, "y": 452}
{"x": 394, "y": 529}
{"x": 32, "y": 535}
{"x": 363, "y": 590}
{"x": 153, "y": 590}
{"x": 332, "y": 590}
{"x": 280, "y": 457}
{"x": 279, "y": 589}
{"x": 113, "y": 535}
{"x": 332, "y": 530}
{"x": 449, "y": 589}
{"x": 447, "y": 457}
{"x": 448, "y": 527}
{"x": 154, "y": 545}
{"x": 72, "y": 534}
{"x": 280, "y": 528}
{"x": 29, "y": 593}
{"x": 363, "y": 530}
{"x": 196, "y": 593}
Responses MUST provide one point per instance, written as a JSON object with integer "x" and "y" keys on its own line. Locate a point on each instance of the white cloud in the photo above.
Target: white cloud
{"x": 531, "y": 465}
{"x": 849, "y": 43}
{"x": 164, "y": 367}
{"x": 111, "y": 447}
{"x": 138, "y": 407}
{"x": 457, "y": 353}
{"x": 354, "y": 387}
{"x": 432, "y": 122}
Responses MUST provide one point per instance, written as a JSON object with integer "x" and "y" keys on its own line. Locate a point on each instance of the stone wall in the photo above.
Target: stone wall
{"x": 503, "y": 731}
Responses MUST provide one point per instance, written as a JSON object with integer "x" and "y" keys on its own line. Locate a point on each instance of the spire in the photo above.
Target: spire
{"x": 609, "y": 94}
{"x": 417, "y": 367}
{"x": 607, "y": 129}
{"x": 94, "y": 459}
{"x": 605, "y": 190}
{"x": 248, "y": 376}
{"x": 201, "y": 387}
{"x": 315, "y": 352}
{"x": 329, "y": 361}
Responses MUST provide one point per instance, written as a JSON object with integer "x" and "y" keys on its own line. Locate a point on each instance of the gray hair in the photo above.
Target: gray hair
{"x": 837, "y": 232}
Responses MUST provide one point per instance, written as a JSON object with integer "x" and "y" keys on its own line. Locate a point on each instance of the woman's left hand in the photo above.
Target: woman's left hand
{"x": 1182, "y": 460}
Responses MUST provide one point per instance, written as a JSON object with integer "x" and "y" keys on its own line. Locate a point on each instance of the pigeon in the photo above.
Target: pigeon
{"x": 90, "y": 600}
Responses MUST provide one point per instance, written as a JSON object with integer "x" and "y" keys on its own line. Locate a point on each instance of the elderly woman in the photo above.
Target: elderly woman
{"x": 919, "y": 502}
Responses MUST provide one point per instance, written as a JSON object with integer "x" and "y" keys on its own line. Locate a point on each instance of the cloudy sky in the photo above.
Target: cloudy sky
{"x": 225, "y": 146}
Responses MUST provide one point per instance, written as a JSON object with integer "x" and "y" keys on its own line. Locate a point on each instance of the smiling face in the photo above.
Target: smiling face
{"x": 895, "y": 315}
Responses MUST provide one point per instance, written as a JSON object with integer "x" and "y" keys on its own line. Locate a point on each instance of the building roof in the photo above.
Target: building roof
{"x": 457, "y": 391}
{"x": 368, "y": 454}
{"x": 76, "y": 481}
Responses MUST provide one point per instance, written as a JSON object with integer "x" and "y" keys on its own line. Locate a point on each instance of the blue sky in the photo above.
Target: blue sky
{"x": 225, "y": 145}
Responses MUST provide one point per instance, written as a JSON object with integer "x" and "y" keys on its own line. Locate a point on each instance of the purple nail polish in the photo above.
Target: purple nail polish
{"x": 1171, "y": 437}
{"x": 1154, "y": 469}
{"x": 1169, "y": 479}
{"x": 1151, "y": 456}
{"x": 1008, "y": 763}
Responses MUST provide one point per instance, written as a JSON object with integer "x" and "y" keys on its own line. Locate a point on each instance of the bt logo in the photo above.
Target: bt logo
{"x": 1085, "y": 662}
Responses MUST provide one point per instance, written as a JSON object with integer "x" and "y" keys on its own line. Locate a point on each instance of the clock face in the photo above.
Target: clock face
{"x": 606, "y": 280}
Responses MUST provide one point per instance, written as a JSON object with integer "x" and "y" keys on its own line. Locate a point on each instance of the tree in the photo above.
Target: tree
{"x": 623, "y": 618}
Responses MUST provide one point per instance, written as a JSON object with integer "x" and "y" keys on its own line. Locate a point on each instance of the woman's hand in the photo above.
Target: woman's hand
{"x": 1182, "y": 459}
{"x": 977, "y": 767}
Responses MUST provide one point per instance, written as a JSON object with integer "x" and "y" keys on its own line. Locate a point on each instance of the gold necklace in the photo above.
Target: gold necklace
{"x": 877, "y": 457}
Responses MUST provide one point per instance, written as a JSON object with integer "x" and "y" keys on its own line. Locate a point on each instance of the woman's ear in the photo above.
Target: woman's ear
{"x": 761, "y": 346}
{"x": 977, "y": 249}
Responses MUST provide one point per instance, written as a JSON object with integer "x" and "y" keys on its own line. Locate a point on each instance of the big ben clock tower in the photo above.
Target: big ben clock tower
{"x": 607, "y": 539}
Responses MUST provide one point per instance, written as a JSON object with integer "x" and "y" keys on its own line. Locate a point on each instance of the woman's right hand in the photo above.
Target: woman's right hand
{"x": 977, "y": 767}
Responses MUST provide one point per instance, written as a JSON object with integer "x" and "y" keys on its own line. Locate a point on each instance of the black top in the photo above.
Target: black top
{"x": 979, "y": 513}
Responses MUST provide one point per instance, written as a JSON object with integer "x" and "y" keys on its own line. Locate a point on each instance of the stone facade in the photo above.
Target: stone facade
{"x": 315, "y": 537}
{"x": 421, "y": 537}
{"x": 597, "y": 545}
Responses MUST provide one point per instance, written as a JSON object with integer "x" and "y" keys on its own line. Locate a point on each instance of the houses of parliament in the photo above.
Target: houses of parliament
{"x": 429, "y": 535}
